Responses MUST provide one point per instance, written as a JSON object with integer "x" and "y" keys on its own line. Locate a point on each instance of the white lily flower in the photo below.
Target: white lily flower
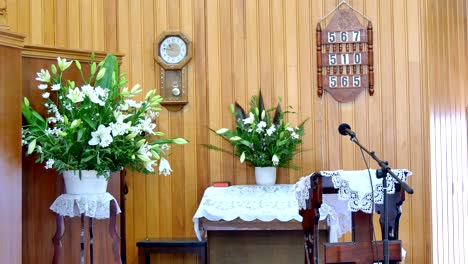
{"x": 164, "y": 167}
{"x": 149, "y": 165}
{"x": 63, "y": 63}
{"x": 49, "y": 164}
{"x": 260, "y": 126}
{"x": 43, "y": 76}
{"x": 249, "y": 120}
{"x": 42, "y": 86}
{"x": 275, "y": 160}
{"x": 271, "y": 130}
{"x": 55, "y": 87}
{"x": 102, "y": 136}
{"x": 75, "y": 95}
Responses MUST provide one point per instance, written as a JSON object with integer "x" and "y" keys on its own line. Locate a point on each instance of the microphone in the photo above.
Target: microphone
{"x": 345, "y": 130}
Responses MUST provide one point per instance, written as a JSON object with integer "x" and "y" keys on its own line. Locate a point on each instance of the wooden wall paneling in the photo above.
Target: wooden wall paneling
{"x": 61, "y": 28}
{"x": 10, "y": 160}
{"x": 252, "y": 65}
{"x": 48, "y": 26}
{"x": 420, "y": 204}
{"x": 306, "y": 91}
{"x": 333, "y": 160}
{"x": 463, "y": 129}
{"x": 136, "y": 71}
{"x": 151, "y": 81}
{"x": 361, "y": 107}
{"x": 74, "y": 25}
{"x": 87, "y": 19}
{"x": 317, "y": 116}
{"x": 123, "y": 41}
{"x": 291, "y": 54}
{"x": 110, "y": 25}
{"x": 202, "y": 176}
{"x": 226, "y": 88}
{"x": 37, "y": 19}
{"x": 239, "y": 72}
{"x": 213, "y": 53}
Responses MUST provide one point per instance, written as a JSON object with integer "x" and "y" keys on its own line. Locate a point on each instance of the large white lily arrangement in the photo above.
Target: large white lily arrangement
{"x": 96, "y": 125}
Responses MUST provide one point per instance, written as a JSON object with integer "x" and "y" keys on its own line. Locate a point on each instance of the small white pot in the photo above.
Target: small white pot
{"x": 265, "y": 175}
{"x": 88, "y": 184}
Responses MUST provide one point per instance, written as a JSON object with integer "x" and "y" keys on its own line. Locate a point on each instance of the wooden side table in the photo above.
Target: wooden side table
{"x": 85, "y": 205}
{"x": 174, "y": 245}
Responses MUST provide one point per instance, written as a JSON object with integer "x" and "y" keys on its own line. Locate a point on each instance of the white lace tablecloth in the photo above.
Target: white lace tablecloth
{"x": 251, "y": 202}
{"x": 92, "y": 205}
{"x": 354, "y": 187}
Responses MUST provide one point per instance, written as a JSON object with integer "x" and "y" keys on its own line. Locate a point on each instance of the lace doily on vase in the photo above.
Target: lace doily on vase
{"x": 91, "y": 205}
{"x": 355, "y": 187}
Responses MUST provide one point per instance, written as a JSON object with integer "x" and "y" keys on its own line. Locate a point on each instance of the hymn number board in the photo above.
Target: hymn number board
{"x": 344, "y": 57}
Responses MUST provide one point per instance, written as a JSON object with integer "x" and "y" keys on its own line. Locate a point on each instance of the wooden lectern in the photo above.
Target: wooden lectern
{"x": 362, "y": 250}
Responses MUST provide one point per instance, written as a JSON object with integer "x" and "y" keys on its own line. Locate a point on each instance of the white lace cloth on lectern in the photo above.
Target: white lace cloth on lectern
{"x": 354, "y": 187}
{"x": 251, "y": 202}
{"x": 335, "y": 211}
{"x": 91, "y": 205}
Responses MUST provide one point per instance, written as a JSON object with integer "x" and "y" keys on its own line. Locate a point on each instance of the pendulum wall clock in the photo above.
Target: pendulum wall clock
{"x": 173, "y": 51}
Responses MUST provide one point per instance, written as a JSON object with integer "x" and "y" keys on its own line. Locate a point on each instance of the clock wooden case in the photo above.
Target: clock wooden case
{"x": 173, "y": 51}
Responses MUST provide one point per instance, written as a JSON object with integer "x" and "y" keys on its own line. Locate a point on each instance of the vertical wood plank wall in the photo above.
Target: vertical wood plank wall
{"x": 10, "y": 161}
{"x": 241, "y": 46}
{"x": 446, "y": 79}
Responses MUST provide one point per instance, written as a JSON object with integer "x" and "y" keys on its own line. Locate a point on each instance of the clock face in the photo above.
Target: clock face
{"x": 173, "y": 49}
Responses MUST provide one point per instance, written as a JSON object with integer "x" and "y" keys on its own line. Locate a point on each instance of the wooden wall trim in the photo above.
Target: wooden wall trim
{"x": 11, "y": 39}
{"x": 48, "y": 52}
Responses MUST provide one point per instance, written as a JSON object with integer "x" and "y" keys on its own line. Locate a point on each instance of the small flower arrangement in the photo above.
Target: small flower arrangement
{"x": 259, "y": 139}
{"x": 97, "y": 126}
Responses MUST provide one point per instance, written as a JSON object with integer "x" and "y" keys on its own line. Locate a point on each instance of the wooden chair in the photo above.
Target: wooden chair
{"x": 363, "y": 249}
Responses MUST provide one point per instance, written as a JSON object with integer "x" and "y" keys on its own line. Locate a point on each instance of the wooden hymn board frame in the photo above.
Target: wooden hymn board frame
{"x": 345, "y": 65}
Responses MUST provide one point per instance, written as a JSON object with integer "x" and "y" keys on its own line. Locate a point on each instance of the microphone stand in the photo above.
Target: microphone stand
{"x": 382, "y": 173}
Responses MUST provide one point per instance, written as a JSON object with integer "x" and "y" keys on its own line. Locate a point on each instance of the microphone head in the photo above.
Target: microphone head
{"x": 342, "y": 129}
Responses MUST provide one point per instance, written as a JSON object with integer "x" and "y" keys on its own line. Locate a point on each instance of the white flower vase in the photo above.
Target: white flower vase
{"x": 265, "y": 175}
{"x": 88, "y": 184}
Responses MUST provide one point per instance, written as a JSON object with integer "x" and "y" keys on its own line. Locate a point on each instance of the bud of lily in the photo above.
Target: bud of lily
{"x": 136, "y": 88}
{"x": 65, "y": 119}
{"x": 93, "y": 68}
{"x": 76, "y": 123}
{"x": 26, "y": 102}
{"x": 159, "y": 134}
{"x": 263, "y": 115}
{"x": 140, "y": 142}
{"x": 149, "y": 94}
{"x": 221, "y": 131}
{"x": 232, "y": 108}
{"x": 53, "y": 69}
{"x": 31, "y": 146}
{"x": 155, "y": 154}
{"x": 235, "y": 138}
{"x": 242, "y": 157}
{"x": 101, "y": 73}
{"x": 144, "y": 158}
{"x": 78, "y": 64}
{"x": 62, "y": 133}
{"x": 179, "y": 141}
{"x": 130, "y": 136}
